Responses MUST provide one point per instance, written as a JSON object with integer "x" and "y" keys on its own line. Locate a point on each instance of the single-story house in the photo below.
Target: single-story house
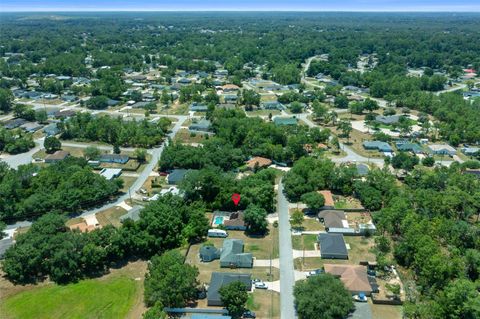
{"x": 203, "y": 125}
{"x": 114, "y": 158}
{"x": 177, "y": 175}
{"x": 354, "y": 277}
{"x": 377, "y": 145}
{"x": 184, "y": 81}
{"x": 51, "y": 129}
{"x": 281, "y": 121}
{"x": 31, "y": 127}
{"x": 57, "y": 157}
{"x": 469, "y": 151}
{"x": 409, "y": 147}
{"x": 273, "y": 105}
{"x": 111, "y": 102}
{"x": 197, "y": 107}
{"x": 220, "y": 279}
{"x": 209, "y": 253}
{"x": 362, "y": 169}
{"x": 63, "y": 114}
{"x": 232, "y": 255}
{"x": 333, "y": 219}
{"x": 441, "y": 149}
{"x": 230, "y": 88}
{"x": 14, "y": 123}
{"x": 332, "y": 246}
{"x": 229, "y": 220}
{"x": 69, "y": 98}
{"x": 140, "y": 105}
{"x": 259, "y": 162}
{"x": 475, "y": 172}
{"x": 111, "y": 173}
{"x": 329, "y": 202}
{"x": 230, "y": 98}
{"x": 387, "y": 120}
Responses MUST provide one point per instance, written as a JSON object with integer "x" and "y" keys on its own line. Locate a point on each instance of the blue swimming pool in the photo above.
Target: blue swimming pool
{"x": 218, "y": 220}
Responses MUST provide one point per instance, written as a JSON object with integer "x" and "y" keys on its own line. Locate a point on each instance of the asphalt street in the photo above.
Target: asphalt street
{"x": 287, "y": 276}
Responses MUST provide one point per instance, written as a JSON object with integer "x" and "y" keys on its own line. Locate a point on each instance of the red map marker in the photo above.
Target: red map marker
{"x": 236, "y": 199}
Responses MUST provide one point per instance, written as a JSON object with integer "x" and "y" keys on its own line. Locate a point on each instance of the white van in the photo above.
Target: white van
{"x": 217, "y": 233}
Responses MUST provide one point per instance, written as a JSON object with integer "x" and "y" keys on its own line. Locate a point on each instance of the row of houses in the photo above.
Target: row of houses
{"x": 405, "y": 146}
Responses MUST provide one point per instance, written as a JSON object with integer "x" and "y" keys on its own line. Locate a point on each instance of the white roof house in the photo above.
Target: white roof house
{"x": 441, "y": 149}
{"x": 111, "y": 173}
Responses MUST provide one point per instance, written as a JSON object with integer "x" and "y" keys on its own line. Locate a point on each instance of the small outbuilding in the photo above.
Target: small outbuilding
{"x": 209, "y": 253}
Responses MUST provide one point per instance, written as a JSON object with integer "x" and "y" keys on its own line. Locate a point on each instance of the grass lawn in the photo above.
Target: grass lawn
{"x": 127, "y": 182}
{"x": 184, "y": 136}
{"x": 116, "y": 295}
{"x": 308, "y": 240}
{"x": 360, "y": 249}
{"x": 74, "y": 151}
{"x": 342, "y": 202}
{"x": 312, "y": 224}
{"x": 385, "y": 311}
{"x": 265, "y": 304}
{"x": 111, "y": 216}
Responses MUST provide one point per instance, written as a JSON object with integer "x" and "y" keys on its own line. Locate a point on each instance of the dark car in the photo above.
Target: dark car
{"x": 249, "y": 314}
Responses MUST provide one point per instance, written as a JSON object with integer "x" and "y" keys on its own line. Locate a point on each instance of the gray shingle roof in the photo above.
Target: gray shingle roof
{"x": 332, "y": 246}
{"x": 220, "y": 279}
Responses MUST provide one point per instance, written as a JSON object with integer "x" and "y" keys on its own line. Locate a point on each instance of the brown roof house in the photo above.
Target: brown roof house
{"x": 258, "y": 162}
{"x": 354, "y": 277}
{"x": 229, "y": 220}
{"x": 329, "y": 203}
{"x": 230, "y": 88}
{"x": 57, "y": 157}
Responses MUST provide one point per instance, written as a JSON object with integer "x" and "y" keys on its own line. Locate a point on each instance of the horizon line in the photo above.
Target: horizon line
{"x": 245, "y": 11}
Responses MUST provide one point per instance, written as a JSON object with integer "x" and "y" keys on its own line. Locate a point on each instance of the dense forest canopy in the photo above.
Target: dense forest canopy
{"x": 60, "y": 44}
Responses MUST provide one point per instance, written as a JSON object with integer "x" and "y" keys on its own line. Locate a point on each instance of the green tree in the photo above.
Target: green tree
{"x": 6, "y": 99}
{"x": 169, "y": 281}
{"x": 322, "y": 297}
{"x": 314, "y": 200}
{"x": 428, "y": 161}
{"x": 296, "y": 107}
{"x": 140, "y": 154}
{"x": 52, "y": 144}
{"x": 91, "y": 153}
{"x": 341, "y": 102}
{"x": 346, "y": 128}
{"x": 256, "y": 219}
{"x": 234, "y": 297}
{"x": 297, "y": 218}
{"x": 250, "y": 98}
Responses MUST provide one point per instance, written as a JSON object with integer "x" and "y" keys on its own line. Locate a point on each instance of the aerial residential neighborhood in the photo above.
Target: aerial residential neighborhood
{"x": 295, "y": 163}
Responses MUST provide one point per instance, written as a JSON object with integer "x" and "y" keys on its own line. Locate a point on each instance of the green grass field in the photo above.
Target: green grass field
{"x": 109, "y": 298}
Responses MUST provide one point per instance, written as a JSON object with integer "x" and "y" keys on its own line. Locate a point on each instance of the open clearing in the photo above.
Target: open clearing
{"x": 116, "y": 295}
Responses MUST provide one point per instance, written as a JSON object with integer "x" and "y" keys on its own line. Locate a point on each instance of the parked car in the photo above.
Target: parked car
{"x": 314, "y": 272}
{"x": 255, "y": 280}
{"x": 260, "y": 285}
{"x": 371, "y": 272}
{"x": 360, "y": 297}
{"x": 249, "y": 314}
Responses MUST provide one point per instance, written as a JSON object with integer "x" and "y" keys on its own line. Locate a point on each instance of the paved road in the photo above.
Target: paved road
{"x": 142, "y": 178}
{"x": 156, "y": 153}
{"x": 14, "y": 161}
{"x": 287, "y": 277}
{"x": 352, "y": 156}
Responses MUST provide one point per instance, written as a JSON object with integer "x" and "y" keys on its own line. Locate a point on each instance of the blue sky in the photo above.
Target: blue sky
{"x": 244, "y": 5}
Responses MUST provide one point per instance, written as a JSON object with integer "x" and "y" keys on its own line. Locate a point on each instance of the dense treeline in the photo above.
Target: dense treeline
{"x": 431, "y": 220}
{"x": 115, "y": 131}
{"x": 238, "y": 137}
{"x": 65, "y": 187}
{"x": 50, "y": 249}
{"x": 215, "y": 188}
{"x": 195, "y": 41}
{"x": 15, "y": 141}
